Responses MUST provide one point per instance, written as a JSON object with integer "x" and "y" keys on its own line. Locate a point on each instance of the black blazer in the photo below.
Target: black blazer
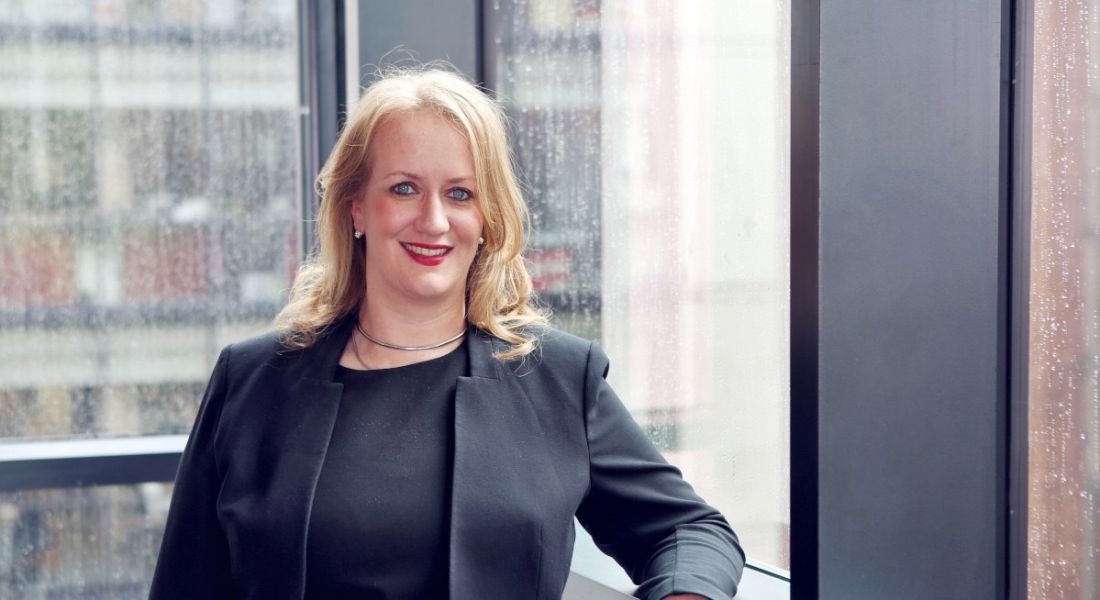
{"x": 536, "y": 442}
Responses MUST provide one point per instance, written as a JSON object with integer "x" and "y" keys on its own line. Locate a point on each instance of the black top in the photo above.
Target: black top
{"x": 379, "y": 528}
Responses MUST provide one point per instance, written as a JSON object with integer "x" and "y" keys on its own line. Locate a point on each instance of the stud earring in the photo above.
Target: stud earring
{"x": 480, "y": 241}
{"x": 358, "y": 234}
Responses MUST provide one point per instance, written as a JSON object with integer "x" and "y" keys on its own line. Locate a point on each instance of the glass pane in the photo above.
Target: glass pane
{"x": 87, "y": 543}
{"x": 653, "y": 139}
{"x": 149, "y": 204}
{"x": 1064, "y": 362}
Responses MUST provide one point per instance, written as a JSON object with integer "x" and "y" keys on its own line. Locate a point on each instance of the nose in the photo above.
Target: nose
{"x": 432, "y": 219}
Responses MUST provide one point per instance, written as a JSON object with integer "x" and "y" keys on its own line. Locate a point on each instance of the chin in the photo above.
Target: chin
{"x": 427, "y": 291}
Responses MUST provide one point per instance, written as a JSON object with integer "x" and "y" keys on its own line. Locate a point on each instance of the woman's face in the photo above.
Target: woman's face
{"x": 419, "y": 211}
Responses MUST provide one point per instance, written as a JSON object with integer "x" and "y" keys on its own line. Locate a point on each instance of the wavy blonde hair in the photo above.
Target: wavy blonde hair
{"x": 499, "y": 295}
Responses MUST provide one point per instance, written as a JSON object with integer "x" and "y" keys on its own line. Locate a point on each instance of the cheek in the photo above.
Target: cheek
{"x": 385, "y": 216}
{"x": 472, "y": 226}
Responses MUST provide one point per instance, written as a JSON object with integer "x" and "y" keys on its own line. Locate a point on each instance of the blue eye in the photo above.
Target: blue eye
{"x": 403, "y": 189}
{"x": 461, "y": 194}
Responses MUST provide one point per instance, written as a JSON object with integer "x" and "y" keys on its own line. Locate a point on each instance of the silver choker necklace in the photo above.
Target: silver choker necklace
{"x": 375, "y": 340}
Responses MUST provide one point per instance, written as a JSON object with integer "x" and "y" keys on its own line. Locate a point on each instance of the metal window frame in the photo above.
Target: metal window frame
{"x": 83, "y": 462}
{"x": 805, "y": 160}
{"x": 1017, "y": 77}
{"x": 323, "y": 90}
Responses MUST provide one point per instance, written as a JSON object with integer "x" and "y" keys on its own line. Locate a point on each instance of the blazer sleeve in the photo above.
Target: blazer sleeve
{"x": 642, "y": 513}
{"x": 194, "y": 554}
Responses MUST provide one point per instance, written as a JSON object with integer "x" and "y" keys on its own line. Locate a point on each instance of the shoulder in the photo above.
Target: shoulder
{"x": 257, "y": 347}
{"x": 558, "y": 377}
{"x": 253, "y": 354}
{"x": 562, "y": 346}
{"x": 559, "y": 344}
{"x": 560, "y": 355}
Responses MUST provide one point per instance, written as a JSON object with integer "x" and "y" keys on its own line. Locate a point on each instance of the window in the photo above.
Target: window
{"x": 149, "y": 214}
{"x": 1064, "y": 337}
{"x": 653, "y": 138}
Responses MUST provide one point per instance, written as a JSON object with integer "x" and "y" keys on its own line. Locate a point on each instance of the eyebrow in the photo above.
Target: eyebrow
{"x": 415, "y": 176}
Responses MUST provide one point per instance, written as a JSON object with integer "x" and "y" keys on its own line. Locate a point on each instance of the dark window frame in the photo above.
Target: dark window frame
{"x": 1017, "y": 76}
{"x": 804, "y": 240}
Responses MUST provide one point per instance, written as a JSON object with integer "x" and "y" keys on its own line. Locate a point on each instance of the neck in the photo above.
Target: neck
{"x": 408, "y": 325}
{"x": 411, "y": 325}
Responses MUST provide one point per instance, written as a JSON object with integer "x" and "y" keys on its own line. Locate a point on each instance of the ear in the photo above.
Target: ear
{"x": 357, "y": 214}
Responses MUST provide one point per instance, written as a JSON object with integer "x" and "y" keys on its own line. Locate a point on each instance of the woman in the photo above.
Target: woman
{"x": 413, "y": 428}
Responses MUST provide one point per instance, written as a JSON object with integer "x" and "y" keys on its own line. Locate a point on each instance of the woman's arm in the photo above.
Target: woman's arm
{"x": 194, "y": 555}
{"x": 642, "y": 513}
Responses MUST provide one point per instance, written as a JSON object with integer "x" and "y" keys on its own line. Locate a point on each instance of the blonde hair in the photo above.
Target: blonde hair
{"x": 499, "y": 295}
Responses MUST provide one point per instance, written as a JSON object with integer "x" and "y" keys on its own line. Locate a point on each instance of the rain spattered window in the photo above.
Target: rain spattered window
{"x": 1064, "y": 333}
{"x": 149, "y": 214}
{"x": 653, "y": 140}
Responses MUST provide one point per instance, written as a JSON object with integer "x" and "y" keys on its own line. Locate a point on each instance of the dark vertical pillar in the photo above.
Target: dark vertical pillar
{"x": 1018, "y": 80}
{"x": 805, "y": 156}
{"x": 322, "y": 89}
{"x": 912, "y": 453}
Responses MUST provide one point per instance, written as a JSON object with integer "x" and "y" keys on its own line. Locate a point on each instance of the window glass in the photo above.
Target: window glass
{"x": 149, "y": 207}
{"x": 97, "y": 543}
{"x": 149, "y": 214}
{"x": 1064, "y": 331}
{"x": 653, "y": 140}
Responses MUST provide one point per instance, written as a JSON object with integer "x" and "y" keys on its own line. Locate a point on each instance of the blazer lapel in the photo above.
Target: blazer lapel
{"x": 495, "y": 533}
{"x": 306, "y": 434}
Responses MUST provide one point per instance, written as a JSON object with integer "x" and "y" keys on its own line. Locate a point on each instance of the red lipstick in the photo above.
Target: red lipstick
{"x": 433, "y": 256}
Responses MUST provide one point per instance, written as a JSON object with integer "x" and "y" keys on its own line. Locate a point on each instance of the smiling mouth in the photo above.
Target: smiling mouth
{"x": 430, "y": 251}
